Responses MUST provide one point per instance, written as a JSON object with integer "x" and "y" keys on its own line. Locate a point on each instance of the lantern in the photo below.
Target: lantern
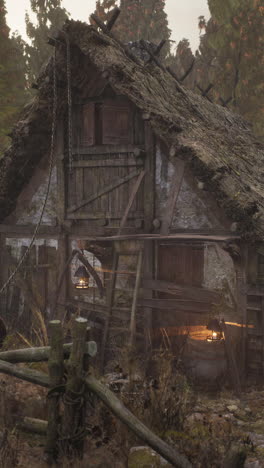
{"x": 82, "y": 276}
{"x": 215, "y": 328}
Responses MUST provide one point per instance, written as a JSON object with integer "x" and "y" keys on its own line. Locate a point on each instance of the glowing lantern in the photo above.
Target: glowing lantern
{"x": 82, "y": 276}
{"x": 217, "y": 334}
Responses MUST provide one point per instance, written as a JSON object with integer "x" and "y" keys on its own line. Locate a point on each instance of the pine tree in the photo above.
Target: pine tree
{"x": 12, "y": 78}
{"x": 139, "y": 19}
{"x": 50, "y": 16}
{"x": 182, "y": 61}
{"x": 231, "y": 56}
{"x": 103, "y": 9}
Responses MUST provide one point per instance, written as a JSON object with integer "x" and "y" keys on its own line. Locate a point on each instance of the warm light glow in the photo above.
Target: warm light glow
{"x": 216, "y": 336}
{"x": 82, "y": 283}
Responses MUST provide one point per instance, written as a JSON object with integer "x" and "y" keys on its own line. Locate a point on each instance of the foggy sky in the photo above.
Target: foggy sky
{"x": 182, "y": 15}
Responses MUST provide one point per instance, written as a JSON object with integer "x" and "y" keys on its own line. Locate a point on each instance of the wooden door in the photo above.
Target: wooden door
{"x": 104, "y": 169}
{"x": 181, "y": 300}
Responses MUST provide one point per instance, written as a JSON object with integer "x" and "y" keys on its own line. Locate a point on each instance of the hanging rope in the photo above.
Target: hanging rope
{"x": 51, "y": 158}
{"x": 68, "y": 53}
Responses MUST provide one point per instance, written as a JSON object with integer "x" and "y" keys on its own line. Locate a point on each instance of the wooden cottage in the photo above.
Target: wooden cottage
{"x": 157, "y": 189}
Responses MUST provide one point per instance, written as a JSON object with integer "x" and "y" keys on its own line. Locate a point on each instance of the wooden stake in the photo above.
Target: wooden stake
{"x": 56, "y": 371}
{"x": 72, "y": 418}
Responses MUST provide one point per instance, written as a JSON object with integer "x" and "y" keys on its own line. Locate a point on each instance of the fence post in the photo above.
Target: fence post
{"x": 72, "y": 424}
{"x": 56, "y": 371}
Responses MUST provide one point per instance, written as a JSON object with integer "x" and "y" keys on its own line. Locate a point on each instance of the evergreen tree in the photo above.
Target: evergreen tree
{"x": 231, "y": 56}
{"x": 103, "y": 9}
{"x": 182, "y": 61}
{"x": 12, "y": 78}
{"x": 50, "y": 16}
{"x": 139, "y": 19}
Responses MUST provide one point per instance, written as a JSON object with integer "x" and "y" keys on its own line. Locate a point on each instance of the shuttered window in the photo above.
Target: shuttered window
{"x": 88, "y": 125}
{"x": 116, "y": 124}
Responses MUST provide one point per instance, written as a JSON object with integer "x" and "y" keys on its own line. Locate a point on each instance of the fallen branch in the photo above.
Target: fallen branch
{"x": 117, "y": 407}
{"x": 36, "y": 426}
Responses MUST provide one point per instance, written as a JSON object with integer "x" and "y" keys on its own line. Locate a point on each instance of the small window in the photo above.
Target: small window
{"x": 88, "y": 124}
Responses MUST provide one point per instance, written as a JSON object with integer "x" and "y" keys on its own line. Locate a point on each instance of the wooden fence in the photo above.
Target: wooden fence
{"x": 69, "y": 384}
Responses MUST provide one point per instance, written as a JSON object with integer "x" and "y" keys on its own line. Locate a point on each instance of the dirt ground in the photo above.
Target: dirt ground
{"x": 209, "y": 428}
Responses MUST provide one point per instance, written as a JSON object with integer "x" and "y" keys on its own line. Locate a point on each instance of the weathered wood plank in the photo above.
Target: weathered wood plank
{"x": 172, "y": 198}
{"x": 20, "y": 230}
{"x": 189, "y": 292}
{"x": 106, "y": 149}
{"x": 131, "y": 200}
{"x": 180, "y": 236}
{"x": 173, "y": 304}
{"x": 126, "y": 162}
{"x": 103, "y": 191}
{"x": 107, "y": 214}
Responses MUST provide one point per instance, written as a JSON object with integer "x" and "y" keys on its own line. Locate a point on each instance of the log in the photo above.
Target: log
{"x": 42, "y": 354}
{"x": 117, "y": 407}
{"x": 56, "y": 371}
{"x": 72, "y": 421}
{"x": 36, "y": 426}
{"x": 29, "y": 375}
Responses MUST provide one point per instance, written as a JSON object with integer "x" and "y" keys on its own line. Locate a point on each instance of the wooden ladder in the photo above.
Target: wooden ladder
{"x": 131, "y": 329}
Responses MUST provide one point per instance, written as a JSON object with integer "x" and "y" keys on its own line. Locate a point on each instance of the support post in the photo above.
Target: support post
{"x": 56, "y": 371}
{"x": 110, "y": 303}
{"x": 135, "y": 297}
{"x": 72, "y": 429}
{"x": 234, "y": 374}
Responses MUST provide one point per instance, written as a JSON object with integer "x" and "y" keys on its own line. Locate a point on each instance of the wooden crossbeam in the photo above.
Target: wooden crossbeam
{"x": 104, "y": 191}
{"x": 225, "y": 102}
{"x": 126, "y": 162}
{"x": 157, "y": 50}
{"x": 105, "y": 29}
{"x": 114, "y": 15}
{"x": 204, "y": 92}
{"x": 176, "y": 304}
{"x": 188, "y": 71}
{"x": 152, "y": 54}
{"x": 131, "y": 200}
{"x": 181, "y": 291}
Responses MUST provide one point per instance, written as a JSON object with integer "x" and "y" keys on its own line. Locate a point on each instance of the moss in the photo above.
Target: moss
{"x": 144, "y": 458}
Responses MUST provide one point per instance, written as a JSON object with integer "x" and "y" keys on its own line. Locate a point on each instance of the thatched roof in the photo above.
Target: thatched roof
{"x": 218, "y": 145}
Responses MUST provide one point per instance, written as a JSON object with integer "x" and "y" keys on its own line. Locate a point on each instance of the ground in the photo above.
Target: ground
{"x": 212, "y": 424}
